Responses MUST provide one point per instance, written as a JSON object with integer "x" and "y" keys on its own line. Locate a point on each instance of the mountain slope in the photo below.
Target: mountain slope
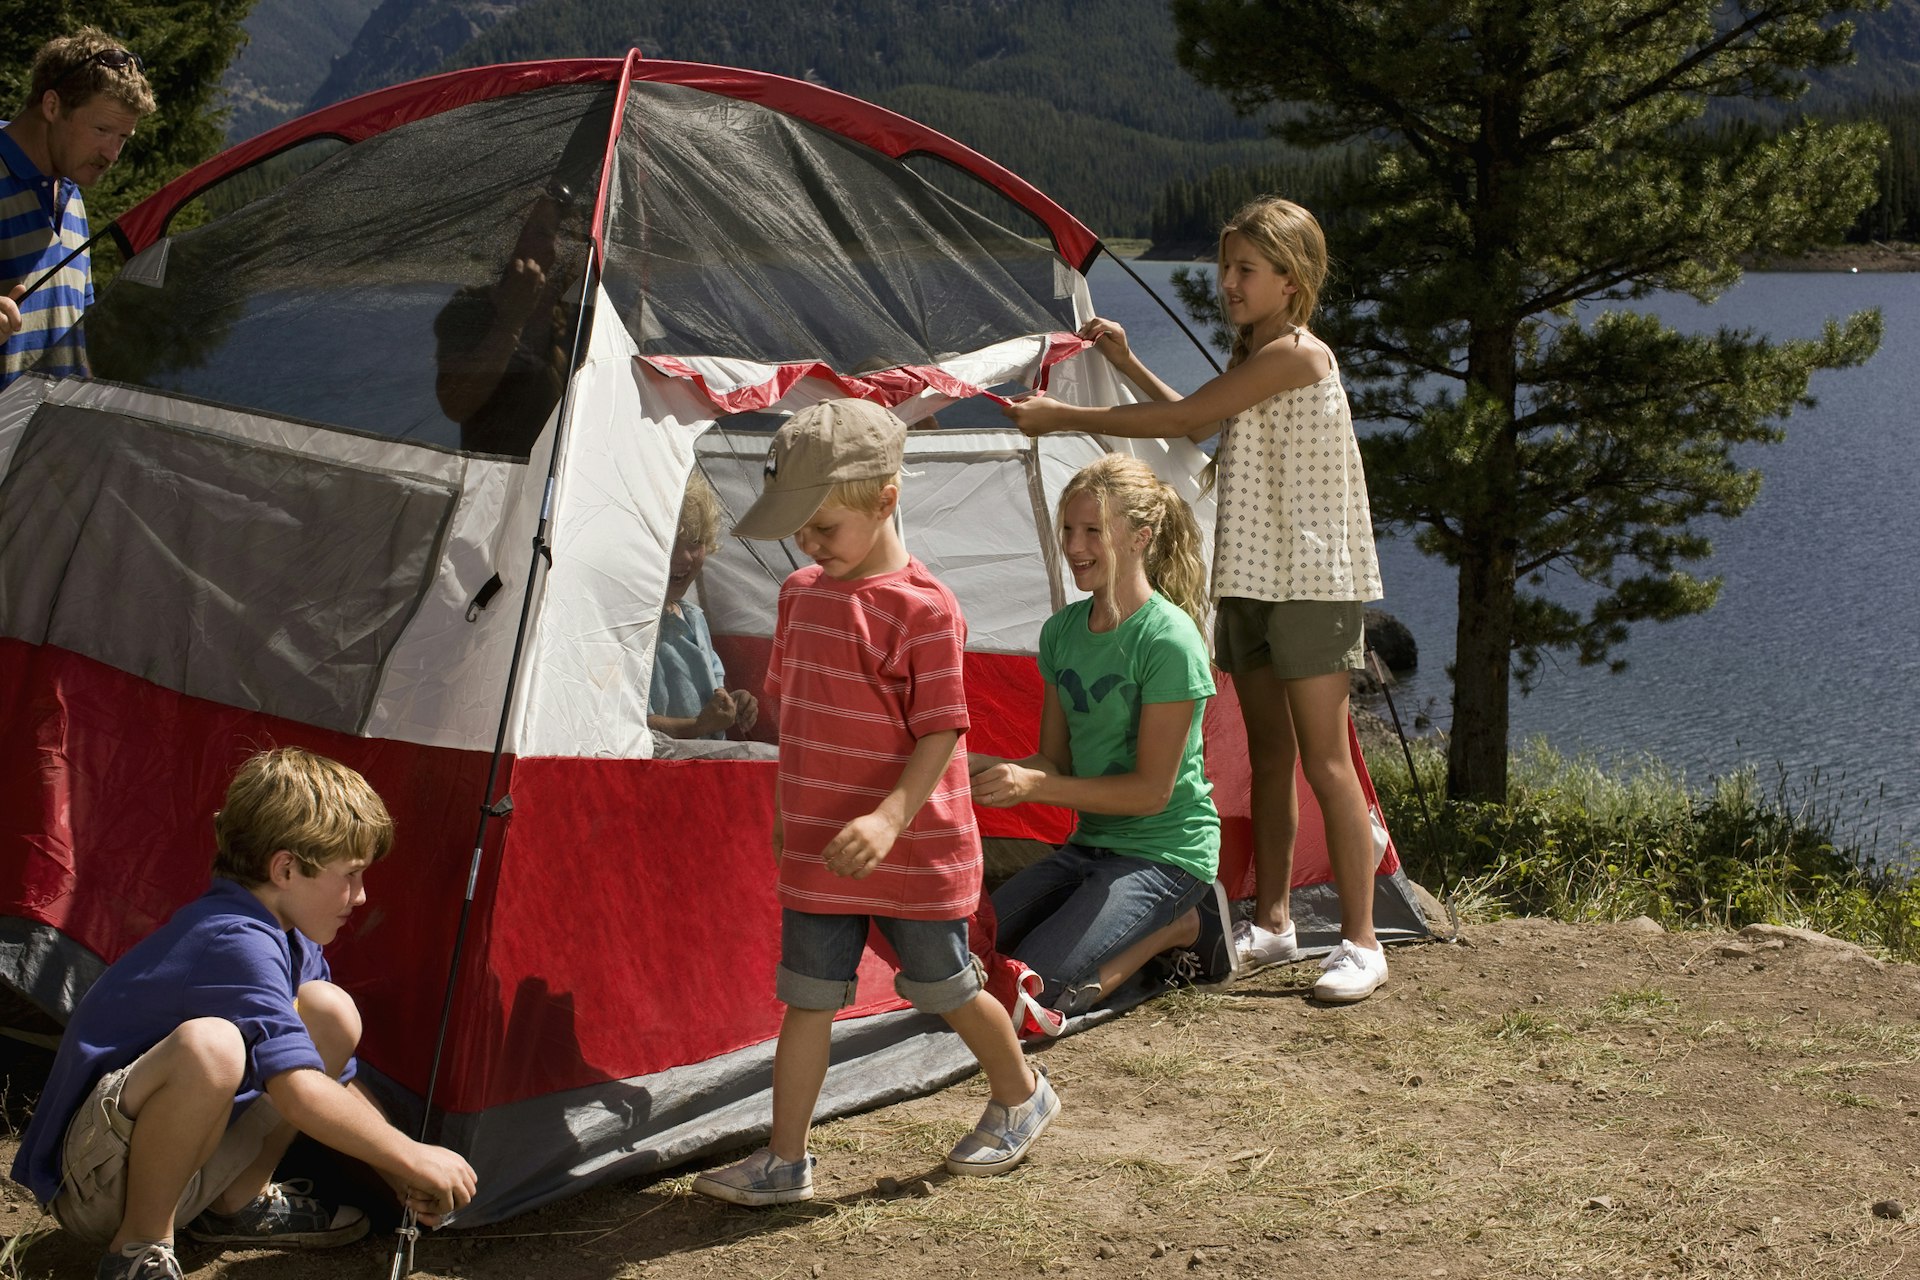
{"x": 290, "y": 46}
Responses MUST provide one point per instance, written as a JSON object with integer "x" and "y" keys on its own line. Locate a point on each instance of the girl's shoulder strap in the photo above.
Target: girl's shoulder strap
{"x": 1333, "y": 361}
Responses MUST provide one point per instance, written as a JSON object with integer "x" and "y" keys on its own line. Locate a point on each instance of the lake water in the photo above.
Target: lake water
{"x": 1809, "y": 666}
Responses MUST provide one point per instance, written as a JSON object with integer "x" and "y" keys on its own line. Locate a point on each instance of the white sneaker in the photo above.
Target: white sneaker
{"x": 1350, "y": 972}
{"x": 1258, "y": 948}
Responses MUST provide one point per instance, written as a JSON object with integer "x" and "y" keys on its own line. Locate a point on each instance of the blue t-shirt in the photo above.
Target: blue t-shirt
{"x": 222, "y": 955}
{"x": 1102, "y": 680}
{"x": 686, "y": 670}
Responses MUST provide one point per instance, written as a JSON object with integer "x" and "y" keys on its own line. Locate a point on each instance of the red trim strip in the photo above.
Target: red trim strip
{"x": 890, "y": 387}
{"x": 373, "y": 113}
{"x": 598, "y": 234}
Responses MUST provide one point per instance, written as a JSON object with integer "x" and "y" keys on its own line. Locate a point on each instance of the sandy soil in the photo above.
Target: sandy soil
{"x": 1538, "y": 1100}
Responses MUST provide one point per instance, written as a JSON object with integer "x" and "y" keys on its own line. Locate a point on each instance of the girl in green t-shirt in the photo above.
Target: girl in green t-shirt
{"x": 1127, "y": 678}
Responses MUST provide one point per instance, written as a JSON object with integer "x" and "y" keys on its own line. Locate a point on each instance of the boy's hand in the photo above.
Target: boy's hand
{"x": 718, "y": 714}
{"x": 746, "y": 710}
{"x": 779, "y": 838}
{"x": 861, "y": 846}
{"x": 10, "y": 310}
{"x": 1005, "y": 784}
{"x": 435, "y": 1182}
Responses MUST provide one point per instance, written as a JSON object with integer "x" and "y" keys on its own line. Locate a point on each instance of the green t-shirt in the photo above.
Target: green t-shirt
{"x": 1102, "y": 679}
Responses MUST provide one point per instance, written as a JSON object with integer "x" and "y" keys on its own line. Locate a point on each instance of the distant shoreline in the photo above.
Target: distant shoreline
{"x": 1878, "y": 255}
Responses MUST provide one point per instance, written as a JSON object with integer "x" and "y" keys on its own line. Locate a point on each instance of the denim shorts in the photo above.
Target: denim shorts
{"x": 820, "y": 959}
{"x": 1077, "y": 908}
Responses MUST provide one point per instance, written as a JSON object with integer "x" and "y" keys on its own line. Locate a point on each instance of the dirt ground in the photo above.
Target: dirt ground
{"x": 1539, "y": 1100}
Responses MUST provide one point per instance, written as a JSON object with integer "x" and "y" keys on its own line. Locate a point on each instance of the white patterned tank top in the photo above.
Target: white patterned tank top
{"x": 1291, "y": 518}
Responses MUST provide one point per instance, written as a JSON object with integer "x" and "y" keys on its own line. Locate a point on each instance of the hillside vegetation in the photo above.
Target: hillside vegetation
{"x": 1082, "y": 97}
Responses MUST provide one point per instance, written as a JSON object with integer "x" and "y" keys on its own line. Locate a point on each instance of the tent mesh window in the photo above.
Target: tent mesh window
{"x": 388, "y": 284}
{"x": 425, "y": 284}
{"x": 739, "y": 231}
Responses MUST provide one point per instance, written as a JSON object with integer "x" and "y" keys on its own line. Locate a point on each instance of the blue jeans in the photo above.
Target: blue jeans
{"x": 820, "y": 959}
{"x": 1077, "y": 908}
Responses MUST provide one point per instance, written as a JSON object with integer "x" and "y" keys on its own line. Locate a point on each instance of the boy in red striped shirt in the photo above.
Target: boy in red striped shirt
{"x": 872, "y": 814}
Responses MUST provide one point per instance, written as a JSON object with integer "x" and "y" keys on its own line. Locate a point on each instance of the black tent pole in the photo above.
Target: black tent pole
{"x": 490, "y": 808}
{"x": 60, "y": 266}
{"x": 1153, "y": 293}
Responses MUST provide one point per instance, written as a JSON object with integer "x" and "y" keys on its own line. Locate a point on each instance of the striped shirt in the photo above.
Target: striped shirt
{"x": 42, "y": 220}
{"x": 863, "y": 670}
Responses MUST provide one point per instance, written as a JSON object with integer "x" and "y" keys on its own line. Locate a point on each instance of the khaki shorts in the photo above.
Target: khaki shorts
{"x": 93, "y": 1180}
{"x": 1297, "y": 638}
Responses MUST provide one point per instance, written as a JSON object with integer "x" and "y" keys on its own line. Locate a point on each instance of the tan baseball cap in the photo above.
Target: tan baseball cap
{"x": 817, "y": 448}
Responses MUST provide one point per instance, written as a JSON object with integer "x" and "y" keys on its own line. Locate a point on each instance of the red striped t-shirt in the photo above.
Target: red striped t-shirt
{"x": 863, "y": 670}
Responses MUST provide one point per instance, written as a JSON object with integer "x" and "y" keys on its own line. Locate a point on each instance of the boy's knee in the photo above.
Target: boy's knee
{"x": 212, "y": 1048}
{"x": 332, "y": 1019}
{"x": 203, "y": 1057}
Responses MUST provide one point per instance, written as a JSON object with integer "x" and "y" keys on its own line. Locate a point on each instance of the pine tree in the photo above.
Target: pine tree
{"x": 1532, "y": 158}
{"x": 185, "y": 46}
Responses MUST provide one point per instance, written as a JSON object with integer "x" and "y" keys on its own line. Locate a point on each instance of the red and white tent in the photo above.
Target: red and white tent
{"x": 257, "y": 524}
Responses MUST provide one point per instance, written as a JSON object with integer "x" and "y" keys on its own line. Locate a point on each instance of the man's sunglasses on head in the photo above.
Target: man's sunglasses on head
{"x": 112, "y": 59}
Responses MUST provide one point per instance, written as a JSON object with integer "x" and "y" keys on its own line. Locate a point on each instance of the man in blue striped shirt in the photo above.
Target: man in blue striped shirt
{"x": 87, "y": 95}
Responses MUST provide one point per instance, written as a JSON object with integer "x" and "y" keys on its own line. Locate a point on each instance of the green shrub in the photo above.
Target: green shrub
{"x": 1576, "y": 841}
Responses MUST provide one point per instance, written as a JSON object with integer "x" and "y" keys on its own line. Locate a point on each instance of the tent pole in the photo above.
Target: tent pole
{"x": 1385, "y": 679}
{"x": 1192, "y": 337}
{"x": 408, "y": 1232}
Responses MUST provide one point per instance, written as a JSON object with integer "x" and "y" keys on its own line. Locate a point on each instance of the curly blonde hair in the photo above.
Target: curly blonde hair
{"x": 1289, "y": 237}
{"x": 1124, "y": 485}
{"x": 700, "y": 514}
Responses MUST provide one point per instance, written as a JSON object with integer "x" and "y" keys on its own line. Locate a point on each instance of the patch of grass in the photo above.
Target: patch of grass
{"x": 13, "y": 1252}
{"x": 1578, "y": 842}
{"x": 1637, "y": 1004}
{"x": 1156, "y": 1067}
{"x": 1520, "y": 1024}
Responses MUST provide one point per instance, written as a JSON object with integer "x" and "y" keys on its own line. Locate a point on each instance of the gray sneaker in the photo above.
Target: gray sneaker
{"x": 283, "y": 1216}
{"x": 152, "y": 1260}
{"x": 1005, "y": 1134}
{"x": 762, "y": 1178}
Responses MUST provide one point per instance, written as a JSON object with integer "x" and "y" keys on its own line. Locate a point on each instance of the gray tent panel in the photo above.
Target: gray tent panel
{"x": 242, "y": 574}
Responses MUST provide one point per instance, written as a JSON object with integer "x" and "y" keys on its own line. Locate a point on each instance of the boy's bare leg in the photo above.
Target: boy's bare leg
{"x": 180, "y": 1093}
{"x": 800, "y": 1063}
{"x": 988, "y": 1030}
{"x": 1272, "y": 753}
{"x": 1319, "y": 713}
{"x": 1183, "y": 932}
{"x": 334, "y": 1023}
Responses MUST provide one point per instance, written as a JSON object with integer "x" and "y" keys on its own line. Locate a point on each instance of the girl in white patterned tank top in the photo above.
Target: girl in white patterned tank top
{"x": 1293, "y": 563}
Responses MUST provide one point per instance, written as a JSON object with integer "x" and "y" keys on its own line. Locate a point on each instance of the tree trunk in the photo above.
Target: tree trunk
{"x": 1483, "y": 639}
{"x": 1477, "y": 747}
